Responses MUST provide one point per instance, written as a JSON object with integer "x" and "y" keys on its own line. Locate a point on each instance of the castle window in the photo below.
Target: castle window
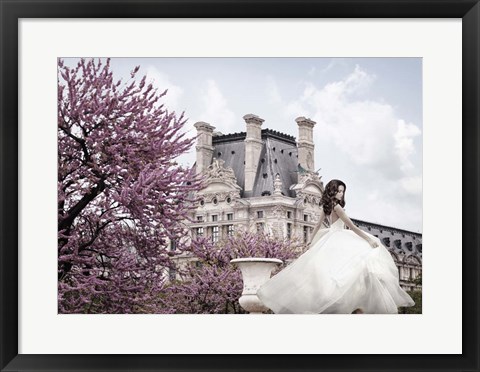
{"x": 229, "y": 216}
{"x": 199, "y": 218}
{"x": 199, "y": 231}
{"x": 305, "y": 217}
{"x": 215, "y": 201}
{"x": 214, "y": 217}
{"x": 265, "y": 175}
{"x": 263, "y": 160}
{"x": 233, "y": 152}
{"x": 290, "y": 153}
{"x": 281, "y": 151}
{"x": 230, "y": 230}
{"x": 273, "y": 149}
{"x": 305, "y": 234}
{"x": 172, "y": 274}
{"x": 202, "y": 202}
{"x": 289, "y": 230}
{"x": 266, "y": 193}
{"x": 275, "y": 161}
{"x": 289, "y": 214}
{"x": 259, "y": 214}
{"x": 229, "y": 200}
{"x": 215, "y": 234}
{"x": 260, "y": 227}
{"x": 219, "y": 154}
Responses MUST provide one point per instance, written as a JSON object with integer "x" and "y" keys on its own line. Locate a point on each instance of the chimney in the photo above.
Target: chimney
{"x": 253, "y": 146}
{"x": 305, "y": 145}
{"x": 204, "y": 145}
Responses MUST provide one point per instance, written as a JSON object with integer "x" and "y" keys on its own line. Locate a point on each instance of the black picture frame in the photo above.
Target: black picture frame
{"x": 12, "y": 11}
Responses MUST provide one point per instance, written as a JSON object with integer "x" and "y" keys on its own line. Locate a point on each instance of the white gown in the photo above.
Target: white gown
{"x": 340, "y": 272}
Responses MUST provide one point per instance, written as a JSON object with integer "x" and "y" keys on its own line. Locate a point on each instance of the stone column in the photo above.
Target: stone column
{"x": 253, "y": 147}
{"x": 305, "y": 145}
{"x": 204, "y": 145}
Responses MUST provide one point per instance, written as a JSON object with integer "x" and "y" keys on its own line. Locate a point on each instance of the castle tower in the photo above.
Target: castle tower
{"x": 204, "y": 145}
{"x": 306, "y": 147}
{"x": 253, "y": 147}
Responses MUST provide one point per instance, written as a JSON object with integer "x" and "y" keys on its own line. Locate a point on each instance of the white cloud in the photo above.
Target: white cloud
{"x": 273, "y": 93}
{"x": 404, "y": 146}
{"x": 215, "y": 108}
{"x": 365, "y": 143}
{"x": 412, "y": 185}
{"x": 162, "y": 81}
{"x": 367, "y": 131}
{"x": 334, "y": 63}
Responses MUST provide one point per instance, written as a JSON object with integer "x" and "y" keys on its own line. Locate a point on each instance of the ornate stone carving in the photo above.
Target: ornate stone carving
{"x": 277, "y": 185}
{"x": 278, "y": 211}
{"x": 228, "y": 197}
{"x": 305, "y": 179}
{"x": 309, "y": 177}
{"x": 217, "y": 170}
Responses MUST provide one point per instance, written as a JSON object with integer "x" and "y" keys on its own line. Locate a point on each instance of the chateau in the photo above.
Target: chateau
{"x": 265, "y": 181}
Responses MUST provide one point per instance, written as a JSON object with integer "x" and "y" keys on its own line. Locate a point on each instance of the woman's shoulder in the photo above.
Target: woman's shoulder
{"x": 337, "y": 208}
{"x": 336, "y": 204}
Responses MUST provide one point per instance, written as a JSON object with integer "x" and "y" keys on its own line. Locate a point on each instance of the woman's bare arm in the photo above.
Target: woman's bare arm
{"x": 343, "y": 216}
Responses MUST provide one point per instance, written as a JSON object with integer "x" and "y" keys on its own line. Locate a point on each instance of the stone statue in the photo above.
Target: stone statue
{"x": 277, "y": 185}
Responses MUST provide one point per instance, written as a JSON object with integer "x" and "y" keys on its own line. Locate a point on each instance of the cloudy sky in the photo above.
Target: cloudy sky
{"x": 368, "y": 113}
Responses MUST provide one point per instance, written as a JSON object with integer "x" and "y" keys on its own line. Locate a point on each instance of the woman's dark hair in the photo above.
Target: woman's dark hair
{"x": 328, "y": 198}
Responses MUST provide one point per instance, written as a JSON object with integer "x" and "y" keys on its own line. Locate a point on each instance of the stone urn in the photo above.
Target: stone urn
{"x": 255, "y": 272}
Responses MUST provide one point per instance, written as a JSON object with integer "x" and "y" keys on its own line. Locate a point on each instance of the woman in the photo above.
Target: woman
{"x": 343, "y": 272}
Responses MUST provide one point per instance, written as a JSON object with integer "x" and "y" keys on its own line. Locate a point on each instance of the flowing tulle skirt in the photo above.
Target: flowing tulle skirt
{"x": 340, "y": 273}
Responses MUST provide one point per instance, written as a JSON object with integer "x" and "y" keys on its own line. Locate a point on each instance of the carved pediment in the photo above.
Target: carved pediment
{"x": 220, "y": 184}
{"x": 219, "y": 178}
{"x": 412, "y": 260}
{"x": 309, "y": 184}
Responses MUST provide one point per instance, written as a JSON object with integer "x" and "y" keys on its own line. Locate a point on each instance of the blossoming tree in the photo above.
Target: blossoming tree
{"x": 121, "y": 196}
{"x": 211, "y": 284}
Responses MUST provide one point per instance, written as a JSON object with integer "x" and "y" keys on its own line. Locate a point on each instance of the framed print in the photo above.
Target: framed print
{"x": 404, "y": 73}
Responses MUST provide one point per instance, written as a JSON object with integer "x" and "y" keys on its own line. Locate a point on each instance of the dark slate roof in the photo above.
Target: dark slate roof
{"x": 278, "y": 155}
{"x": 233, "y": 153}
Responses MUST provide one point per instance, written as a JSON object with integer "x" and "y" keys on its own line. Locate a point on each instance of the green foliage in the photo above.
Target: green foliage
{"x": 416, "y": 296}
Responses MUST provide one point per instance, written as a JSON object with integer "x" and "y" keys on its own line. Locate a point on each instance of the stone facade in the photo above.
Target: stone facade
{"x": 263, "y": 180}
